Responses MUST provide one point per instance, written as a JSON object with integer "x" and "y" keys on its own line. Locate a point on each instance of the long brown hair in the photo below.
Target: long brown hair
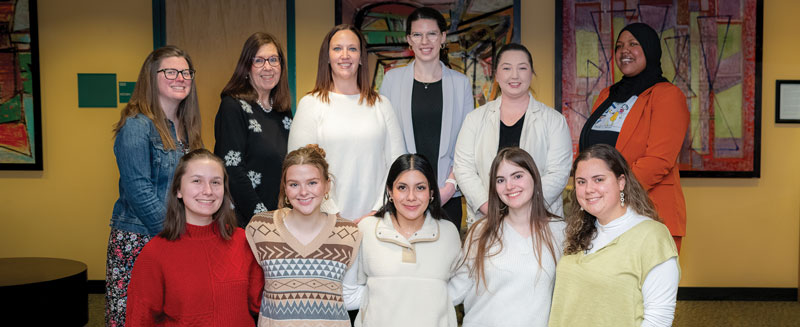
{"x": 486, "y": 233}
{"x": 310, "y": 154}
{"x": 325, "y": 76}
{"x": 580, "y": 224}
{"x": 144, "y": 100}
{"x": 239, "y": 86}
{"x": 175, "y": 220}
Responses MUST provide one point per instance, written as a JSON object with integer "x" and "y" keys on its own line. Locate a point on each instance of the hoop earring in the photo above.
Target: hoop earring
{"x": 622, "y": 199}
{"x": 390, "y": 199}
{"x": 327, "y": 196}
{"x": 444, "y": 46}
{"x": 286, "y": 201}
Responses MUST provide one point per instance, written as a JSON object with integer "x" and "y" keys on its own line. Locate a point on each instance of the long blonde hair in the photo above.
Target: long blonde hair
{"x": 144, "y": 100}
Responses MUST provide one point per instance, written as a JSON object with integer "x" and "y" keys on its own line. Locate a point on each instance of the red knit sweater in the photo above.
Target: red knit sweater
{"x": 198, "y": 280}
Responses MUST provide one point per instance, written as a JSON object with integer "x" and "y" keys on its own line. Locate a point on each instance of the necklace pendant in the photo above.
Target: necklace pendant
{"x": 426, "y": 86}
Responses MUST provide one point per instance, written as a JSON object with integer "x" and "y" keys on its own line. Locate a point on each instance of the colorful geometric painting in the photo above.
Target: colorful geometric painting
{"x": 711, "y": 49}
{"x": 476, "y": 30}
{"x": 20, "y": 126}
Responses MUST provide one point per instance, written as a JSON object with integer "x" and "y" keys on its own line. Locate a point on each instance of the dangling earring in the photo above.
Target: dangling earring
{"x": 431, "y": 198}
{"x": 581, "y": 208}
{"x": 327, "y": 196}
{"x": 444, "y": 46}
{"x": 286, "y": 201}
{"x": 622, "y": 199}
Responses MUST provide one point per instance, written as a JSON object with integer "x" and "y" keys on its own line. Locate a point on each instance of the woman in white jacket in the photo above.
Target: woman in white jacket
{"x": 514, "y": 119}
{"x": 401, "y": 275}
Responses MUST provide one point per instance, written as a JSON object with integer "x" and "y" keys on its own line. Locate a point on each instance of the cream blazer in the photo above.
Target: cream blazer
{"x": 545, "y": 135}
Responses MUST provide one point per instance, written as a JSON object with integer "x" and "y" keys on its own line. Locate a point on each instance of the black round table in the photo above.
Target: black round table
{"x": 43, "y": 291}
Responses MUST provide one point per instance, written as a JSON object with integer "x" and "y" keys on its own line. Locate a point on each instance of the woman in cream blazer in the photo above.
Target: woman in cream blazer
{"x": 545, "y": 136}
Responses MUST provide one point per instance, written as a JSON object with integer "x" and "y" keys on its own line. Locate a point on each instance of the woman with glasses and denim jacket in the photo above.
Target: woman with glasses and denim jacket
{"x": 160, "y": 123}
{"x": 431, "y": 101}
{"x": 252, "y": 126}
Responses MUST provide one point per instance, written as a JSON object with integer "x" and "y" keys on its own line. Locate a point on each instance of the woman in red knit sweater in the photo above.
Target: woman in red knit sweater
{"x": 199, "y": 270}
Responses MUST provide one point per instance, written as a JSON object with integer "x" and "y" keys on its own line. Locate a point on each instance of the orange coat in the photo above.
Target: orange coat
{"x": 650, "y": 140}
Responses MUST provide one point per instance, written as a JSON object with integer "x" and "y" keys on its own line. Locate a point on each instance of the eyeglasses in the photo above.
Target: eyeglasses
{"x": 431, "y": 36}
{"x": 171, "y": 73}
{"x": 273, "y": 61}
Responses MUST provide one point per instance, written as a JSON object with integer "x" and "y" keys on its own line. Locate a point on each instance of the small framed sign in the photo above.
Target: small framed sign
{"x": 787, "y": 101}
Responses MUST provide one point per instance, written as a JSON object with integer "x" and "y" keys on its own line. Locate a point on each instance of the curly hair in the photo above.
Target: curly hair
{"x": 580, "y": 224}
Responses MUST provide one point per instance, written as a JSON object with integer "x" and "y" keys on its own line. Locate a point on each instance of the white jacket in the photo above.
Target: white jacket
{"x": 401, "y": 282}
{"x": 545, "y": 136}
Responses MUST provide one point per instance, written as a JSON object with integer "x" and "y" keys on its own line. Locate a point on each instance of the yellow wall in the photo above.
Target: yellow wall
{"x": 741, "y": 232}
{"x": 64, "y": 211}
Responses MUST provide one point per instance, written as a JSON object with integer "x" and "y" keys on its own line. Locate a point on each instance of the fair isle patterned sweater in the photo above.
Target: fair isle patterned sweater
{"x": 303, "y": 283}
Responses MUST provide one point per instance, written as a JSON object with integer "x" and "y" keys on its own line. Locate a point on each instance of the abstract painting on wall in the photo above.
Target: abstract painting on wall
{"x": 20, "y": 113}
{"x": 711, "y": 50}
{"x": 476, "y": 30}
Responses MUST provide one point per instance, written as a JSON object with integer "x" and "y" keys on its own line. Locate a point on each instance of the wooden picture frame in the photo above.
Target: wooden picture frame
{"x": 20, "y": 94}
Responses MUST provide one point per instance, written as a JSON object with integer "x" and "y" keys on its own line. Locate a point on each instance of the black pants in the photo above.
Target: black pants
{"x": 453, "y": 210}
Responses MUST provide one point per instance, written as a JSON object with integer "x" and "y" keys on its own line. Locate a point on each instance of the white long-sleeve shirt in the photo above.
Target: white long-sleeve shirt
{"x": 660, "y": 287}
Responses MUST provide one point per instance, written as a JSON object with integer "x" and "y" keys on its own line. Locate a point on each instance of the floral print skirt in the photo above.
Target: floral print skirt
{"x": 123, "y": 248}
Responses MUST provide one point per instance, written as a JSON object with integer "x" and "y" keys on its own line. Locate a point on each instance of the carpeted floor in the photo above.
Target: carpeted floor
{"x": 688, "y": 313}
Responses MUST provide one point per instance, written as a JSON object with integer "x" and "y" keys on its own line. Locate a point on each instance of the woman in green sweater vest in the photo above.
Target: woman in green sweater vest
{"x": 620, "y": 264}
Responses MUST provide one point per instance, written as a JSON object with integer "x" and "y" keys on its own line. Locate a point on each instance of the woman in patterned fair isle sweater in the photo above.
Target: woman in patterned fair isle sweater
{"x": 198, "y": 270}
{"x": 304, "y": 251}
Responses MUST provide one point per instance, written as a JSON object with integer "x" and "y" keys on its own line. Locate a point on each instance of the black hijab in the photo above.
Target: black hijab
{"x": 651, "y": 45}
{"x": 634, "y": 85}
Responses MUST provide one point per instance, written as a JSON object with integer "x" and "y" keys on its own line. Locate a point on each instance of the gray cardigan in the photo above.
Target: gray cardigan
{"x": 457, "y": 102}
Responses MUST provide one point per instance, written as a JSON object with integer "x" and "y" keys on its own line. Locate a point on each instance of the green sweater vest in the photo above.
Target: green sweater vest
{"x": 605, "y": 288}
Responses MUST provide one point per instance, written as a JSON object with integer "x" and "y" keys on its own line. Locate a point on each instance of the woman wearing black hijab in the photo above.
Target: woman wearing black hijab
{"x": 645, "y": 118}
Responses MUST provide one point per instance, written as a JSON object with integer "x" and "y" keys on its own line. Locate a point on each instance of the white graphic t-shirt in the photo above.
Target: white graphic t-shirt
{"x": 614, "y": 116}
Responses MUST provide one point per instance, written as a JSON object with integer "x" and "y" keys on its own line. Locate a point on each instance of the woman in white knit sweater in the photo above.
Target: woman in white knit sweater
{"x": 507, "y": 271}
{"x": 354, "y": 124}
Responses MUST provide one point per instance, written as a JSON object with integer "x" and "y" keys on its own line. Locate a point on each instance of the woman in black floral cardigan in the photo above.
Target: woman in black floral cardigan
{"x": 252, "y": 126}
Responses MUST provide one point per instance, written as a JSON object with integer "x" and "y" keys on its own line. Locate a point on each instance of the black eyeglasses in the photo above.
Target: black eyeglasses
{"x": 273, "y": 61}
{"x": 171, "y": 73}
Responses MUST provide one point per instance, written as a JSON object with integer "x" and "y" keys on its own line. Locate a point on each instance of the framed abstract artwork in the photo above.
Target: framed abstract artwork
{"x": 20, "y": 105}
{"x": 476, "y": 30}
{"x": 711, "y": 50}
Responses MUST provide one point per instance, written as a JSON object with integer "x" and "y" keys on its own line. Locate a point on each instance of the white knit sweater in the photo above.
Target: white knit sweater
{"x": 518, "y": 291}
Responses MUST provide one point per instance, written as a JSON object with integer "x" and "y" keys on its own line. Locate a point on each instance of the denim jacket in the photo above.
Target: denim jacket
{"x": 145, "y": 174}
